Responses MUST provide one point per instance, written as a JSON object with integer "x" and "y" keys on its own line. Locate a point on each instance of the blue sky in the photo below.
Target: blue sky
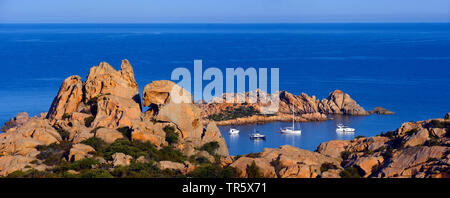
{"x": 218, "y": 11}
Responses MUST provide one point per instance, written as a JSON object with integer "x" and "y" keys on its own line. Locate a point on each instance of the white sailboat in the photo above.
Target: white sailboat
{"x": 257, "y": 136}
{"x": 344, "y": 129}
{"x": 291, "y": 130}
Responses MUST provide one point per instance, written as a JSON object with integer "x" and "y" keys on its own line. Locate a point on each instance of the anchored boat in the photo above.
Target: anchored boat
{"x": 233, "y": 131}
{"x": 257, "y": 136}
{"x": 344, "y": 129}
{"x": 291, "y": 130}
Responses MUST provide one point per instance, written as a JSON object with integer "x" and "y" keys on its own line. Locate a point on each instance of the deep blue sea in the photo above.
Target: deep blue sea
{"x": 402, "y": 67}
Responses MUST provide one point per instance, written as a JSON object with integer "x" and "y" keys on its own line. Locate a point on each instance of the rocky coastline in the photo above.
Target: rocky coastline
{"x": 306, "y": 108}
{"x": 96, "y": 128}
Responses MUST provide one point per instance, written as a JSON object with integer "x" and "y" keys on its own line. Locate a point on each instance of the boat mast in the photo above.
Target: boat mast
{"x": 293, "y": 108}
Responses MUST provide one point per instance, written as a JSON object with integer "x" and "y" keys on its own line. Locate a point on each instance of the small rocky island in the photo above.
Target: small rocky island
{"x": 97, "y": 128}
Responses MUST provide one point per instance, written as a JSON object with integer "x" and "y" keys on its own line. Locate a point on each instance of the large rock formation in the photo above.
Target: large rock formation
{"x": 170, "y": 103}
{"x": 381, "y": 111}
{"x": 19, "y": 120}
{"x": 116, "y": 95}
{"x": 339, "y": 102}
{"x": 111, "y": 96}
{"x": 18, "y": 145}
{"x": 80, "y": 151}
{"x": 286, "y": 162}
{"x": 66, "y": 102}
{"x": 106, "y": 102}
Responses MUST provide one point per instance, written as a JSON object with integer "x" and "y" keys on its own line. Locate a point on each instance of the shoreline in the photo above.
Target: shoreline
{"x": 262, "y": 119}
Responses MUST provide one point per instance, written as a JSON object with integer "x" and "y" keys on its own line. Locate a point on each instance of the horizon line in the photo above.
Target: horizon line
{"x": 305, "y": 22}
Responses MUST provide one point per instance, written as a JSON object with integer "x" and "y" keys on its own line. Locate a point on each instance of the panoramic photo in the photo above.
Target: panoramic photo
{"x": 225, "y": 89}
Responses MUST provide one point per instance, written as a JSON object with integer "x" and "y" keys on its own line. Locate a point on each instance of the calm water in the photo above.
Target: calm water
{"x": 402, "y": 67}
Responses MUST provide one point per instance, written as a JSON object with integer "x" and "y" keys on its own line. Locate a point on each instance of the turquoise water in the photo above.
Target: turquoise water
{"x": 402, "y": 67}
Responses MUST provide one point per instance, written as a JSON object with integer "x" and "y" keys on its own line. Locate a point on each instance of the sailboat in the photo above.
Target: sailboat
{"x": 291, "y": 130}
{"x": 257, "y": 136}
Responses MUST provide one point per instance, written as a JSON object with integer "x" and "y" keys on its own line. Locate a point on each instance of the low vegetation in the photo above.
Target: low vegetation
{"x": 350, "y": 172}
{"x": 53, "y": 153}
{"x": 231, "y": 113}
{"x": 214, "y": 171}
{"x": 64, "y": 134}
{"x": 345, "y": 155}
{"x": 171, "y": 135}
{"x": 253, "y": 171}
{"x": 210, "y": 147}
{"x": 134, "y": 149}
{"x": 143, "y": 170}
{"x": 126, "y": 132}
{"x": 88, "y": 121}
{"x": 439, "y": 124}
{"x": 327, "y": 166}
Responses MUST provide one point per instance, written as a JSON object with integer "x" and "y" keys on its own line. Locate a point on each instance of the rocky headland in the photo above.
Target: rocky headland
{"x": 97, "y": 128}
{"x": 306, "y": 108}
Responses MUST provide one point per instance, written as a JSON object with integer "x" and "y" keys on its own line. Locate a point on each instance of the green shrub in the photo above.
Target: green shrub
{"x": 433, "y": 142}
{"x": 210, "y": 147}
{"x": 202, "y": 160}
{"x": 439, "y": 124}
{"x": 387, "y": 154}
{"x": 368, "y": 152}
{"x": 380, "y": 149}
{"x": 93, "y": 100}
{"x": 142, "y": 170}
{"x": 67, "y": 175}
{"x": 411, "y": 132}
{"x": 253, "y": 171}
{"x": 88, "y": 121}
{"x": 53, "y": 153}
{"x": 126, "y": 132}
{"x": 396, "y": 143}
{"x": 98, "y": 144}
{"x": 171, "y": 135}
{"x": 96, "y": 173}
{"x": 82, "y": 164}
{"x": 214, "y": 171}
{"x": 169, "y": 153}
{"x": 360, "y": 136}
{"x": 389, "y": 134}
{"x": 350, "y": 172}
{"x": 253, "y": 155}
{"x": 345, "y": 155}
{"x": 377, "y": 167}
{"x": 134, "y": 149}
{"x": 327, "y": 166}
{"x": 64, "y": 134}
{"x": 65, "y": 116}
{"x": 233, "y": 113}
{"x": 276, "y": 165}
{"x": 32, "y": 173}
{"x": 62, "y": 167}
